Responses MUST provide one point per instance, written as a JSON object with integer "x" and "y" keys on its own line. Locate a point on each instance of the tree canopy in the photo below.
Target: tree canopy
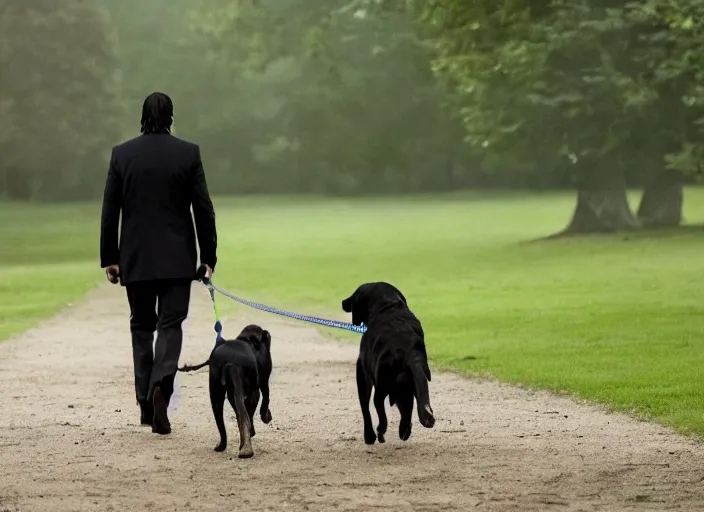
{"x": 58, "y": 97}
{"x": 335, "y": 103}
{"x": 604, "y": 92}
{"x": 370, "y": 96}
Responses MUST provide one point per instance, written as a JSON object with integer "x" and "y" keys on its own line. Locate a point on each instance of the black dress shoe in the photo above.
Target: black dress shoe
{"x": 161, "y": 423}
{"x": 146, "y": 416}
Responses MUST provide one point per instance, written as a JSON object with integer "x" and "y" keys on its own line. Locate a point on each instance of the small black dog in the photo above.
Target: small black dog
{"x": 392, "y": 358}
{"x": 240, "y": 368}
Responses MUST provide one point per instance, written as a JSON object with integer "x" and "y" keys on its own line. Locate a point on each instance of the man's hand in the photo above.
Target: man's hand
{"x": 204, "y": 273}
{"x": 113, "y": 273}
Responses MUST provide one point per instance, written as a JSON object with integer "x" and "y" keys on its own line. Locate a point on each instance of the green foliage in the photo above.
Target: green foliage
{"x": 347, "y": 96}
{"x": 673, "y": 52}
{"x": 334, "y": 102}
{"x": 552, "y": 83}
{"x": 58, "y": 97}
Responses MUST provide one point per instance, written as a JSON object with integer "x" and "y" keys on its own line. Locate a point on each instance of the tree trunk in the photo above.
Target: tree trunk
{"x": 661, "y": 204}
{"x": 18, "y": 185}
{"x": 602, "y": 204}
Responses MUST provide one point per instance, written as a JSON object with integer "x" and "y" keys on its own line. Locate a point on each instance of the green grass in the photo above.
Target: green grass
{"x": 616, "y": 320}
{"x": 48, "y": 258}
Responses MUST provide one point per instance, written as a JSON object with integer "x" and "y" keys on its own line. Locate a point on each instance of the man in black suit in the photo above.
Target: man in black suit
{"x": 154, "y": 180}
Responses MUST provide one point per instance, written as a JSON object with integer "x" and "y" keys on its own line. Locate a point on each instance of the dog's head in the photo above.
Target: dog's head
{"x": 371, "y": 297}
{"x": 256, "y": 337}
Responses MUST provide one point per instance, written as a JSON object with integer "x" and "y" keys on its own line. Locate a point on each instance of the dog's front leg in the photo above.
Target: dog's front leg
{"x": 251, "y": 404}
{"x": 405, "y": 407}
{"x": 364, "y": 390}
{"x": 379, "y": 398}
{"x": 264, "y": 411}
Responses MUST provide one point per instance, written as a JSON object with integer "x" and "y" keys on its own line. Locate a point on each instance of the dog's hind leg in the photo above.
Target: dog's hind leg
{"x": 244, "y": 423}
{"x": 405, "y": 407}
{"x": 364, "y": 390}
{"x": 381, "y": 413}
{"x": 217, "y": 400}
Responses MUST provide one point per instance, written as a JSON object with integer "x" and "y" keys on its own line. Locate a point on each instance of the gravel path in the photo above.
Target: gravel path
{"x": 70, "y": 440}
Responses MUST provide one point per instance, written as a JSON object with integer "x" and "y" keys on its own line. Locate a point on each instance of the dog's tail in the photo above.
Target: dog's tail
{"x": 420, "y": 381}
{"x": 232, "y": 380}
{"x": 186, "y": 368}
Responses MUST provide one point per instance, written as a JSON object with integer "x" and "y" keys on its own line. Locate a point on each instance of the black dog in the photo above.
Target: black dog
{"x": 240, "y": 368}
{"x": 392, "y": 358}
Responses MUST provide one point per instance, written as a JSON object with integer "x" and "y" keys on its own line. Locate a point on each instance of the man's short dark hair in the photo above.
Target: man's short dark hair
{"x": 157, "y": 113}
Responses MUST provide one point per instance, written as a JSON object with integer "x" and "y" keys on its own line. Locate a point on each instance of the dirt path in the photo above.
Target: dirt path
{"x": 69, "y": 438}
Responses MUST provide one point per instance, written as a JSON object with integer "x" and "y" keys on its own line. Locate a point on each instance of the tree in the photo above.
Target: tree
{"x": 58, "y": 98}
{"x": 672, "y": 51}
{"x": 595, "y": 87}
{"x": 540, "y": 83}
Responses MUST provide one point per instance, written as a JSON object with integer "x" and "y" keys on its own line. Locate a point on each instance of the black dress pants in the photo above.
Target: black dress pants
{"x": 159, "y": 306}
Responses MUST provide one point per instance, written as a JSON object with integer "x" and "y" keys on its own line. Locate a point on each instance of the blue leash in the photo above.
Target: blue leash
{"x": 336, "y": 324}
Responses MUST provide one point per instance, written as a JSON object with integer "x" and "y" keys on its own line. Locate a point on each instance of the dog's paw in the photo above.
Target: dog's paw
{"x": 266, "y": 417}
{"x": 427, "y": 419}
{"x": 220, "y": 448}
{"x": 380, "y": 431}
{"x": 370, "y": 437}
{"x": 404, "y": 432}
{"x": 246, "y": 453}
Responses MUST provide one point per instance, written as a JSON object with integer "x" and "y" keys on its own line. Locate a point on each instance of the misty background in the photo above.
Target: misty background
{"x": 367, "y": 97}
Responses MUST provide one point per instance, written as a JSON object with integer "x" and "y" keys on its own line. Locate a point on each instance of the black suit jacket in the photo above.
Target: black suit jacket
{"x": 154, "y": 180}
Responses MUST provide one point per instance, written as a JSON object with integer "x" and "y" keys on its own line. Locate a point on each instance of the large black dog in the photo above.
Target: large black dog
{"x": 240, "y": 369}
{"x": 392, "y": 358}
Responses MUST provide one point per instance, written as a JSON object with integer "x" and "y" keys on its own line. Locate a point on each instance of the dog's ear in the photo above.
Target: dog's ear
{"x": 266, "y": 339}
{"x": 360, "y": 309}
{"x": 347, "y": 304}
{"x": 358, "y": 305}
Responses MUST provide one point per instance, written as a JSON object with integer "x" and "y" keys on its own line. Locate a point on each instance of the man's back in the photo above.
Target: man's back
{"x": 154, "y": 179}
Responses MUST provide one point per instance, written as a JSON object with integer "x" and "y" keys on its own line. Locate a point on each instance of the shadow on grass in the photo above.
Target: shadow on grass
{"x": 635, "y": 234}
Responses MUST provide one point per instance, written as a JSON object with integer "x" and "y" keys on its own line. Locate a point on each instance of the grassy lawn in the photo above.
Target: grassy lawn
{"x": 613, "y": 319}
{"x": 48, "y": 258}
